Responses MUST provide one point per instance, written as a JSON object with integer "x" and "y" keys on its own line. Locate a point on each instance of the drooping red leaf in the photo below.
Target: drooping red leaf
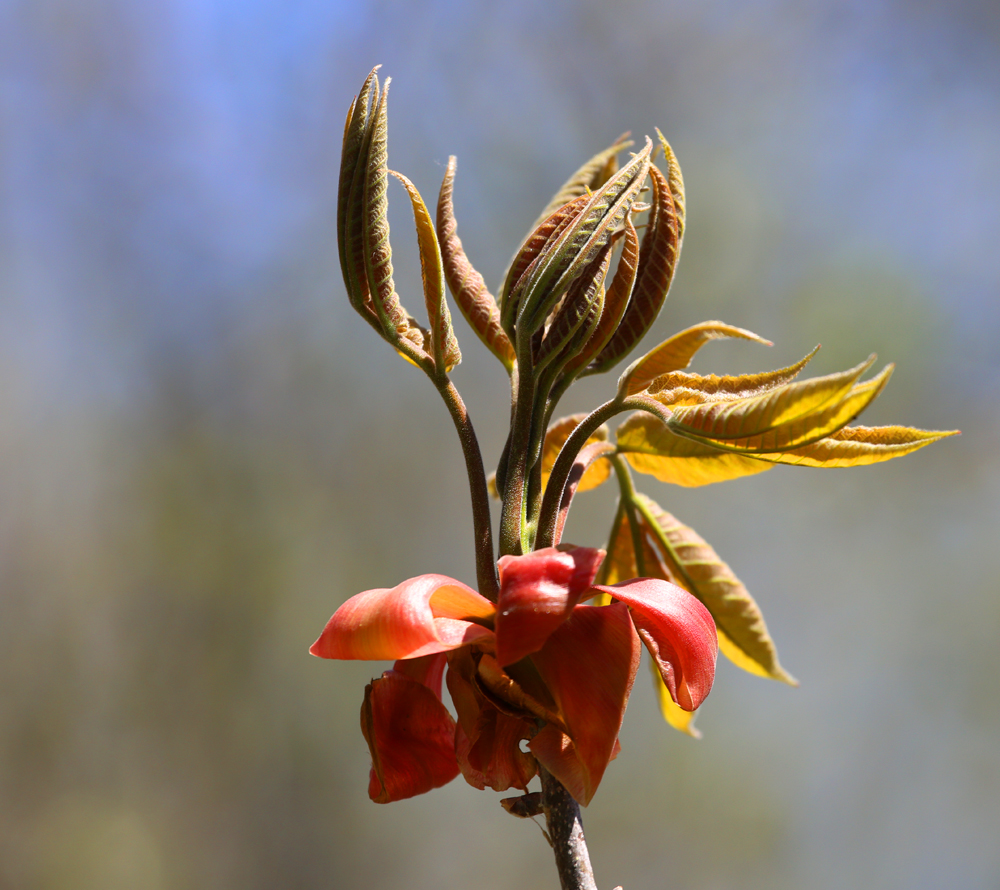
{"x": 421, "y": 616}
{"x": 678, "y": 632}
{"x": 589, "y": 665}
{"x": 411, "y": 737}
{"x": 537, "y": 593}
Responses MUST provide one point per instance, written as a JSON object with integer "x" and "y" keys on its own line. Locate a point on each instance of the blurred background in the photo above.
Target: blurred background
{"x": 203, "y": 451}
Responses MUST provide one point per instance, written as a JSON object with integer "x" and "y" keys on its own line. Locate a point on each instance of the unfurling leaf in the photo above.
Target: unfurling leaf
{"x": 574, "y": 320}
{"x": 657, "y": 261}
{"x": 590, "y": 176}
{"x": 691, "y": 563}
{"x": 527, "y": 255}
{"x": 567, "y": 254}
{"x": 615, "y": 303}
{"x": 444, "y": 345}
{"x": 809, "y": 428}
{"x": 467, "y": 286}
{"x": 556, "y": 436}
{"x": 363, "y": 227}
{"x": 675, "y": 354}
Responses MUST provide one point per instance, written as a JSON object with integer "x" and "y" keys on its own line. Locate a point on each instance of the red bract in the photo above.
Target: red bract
{"x": 537, "y": 667}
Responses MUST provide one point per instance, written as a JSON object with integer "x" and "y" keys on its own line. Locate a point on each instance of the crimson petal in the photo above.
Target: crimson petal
{"x": 678, "y": 632}
{"x": 411, "y": 737}
{"x": 589, "y": 665}
{"x": 537, "y": 593}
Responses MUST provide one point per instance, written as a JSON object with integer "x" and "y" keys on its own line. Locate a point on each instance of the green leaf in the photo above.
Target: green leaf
{"x": 676, "y": 353}
{"x": 651, "y": 448}
{"x": 444, "y": 345}
{"x": 657, "y": 261}
{"x": 692, "y": 563}
{"x": 467, "y": 286}
{"x": 574, "y": 320}
{"x": 527, "y": 256}
{"x": 565, "y": 256}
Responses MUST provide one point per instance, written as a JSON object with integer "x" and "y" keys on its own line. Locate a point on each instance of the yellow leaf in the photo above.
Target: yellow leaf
{"x": 743, "y": 418}
{"x": 651, "y": 448}
{"x": 855, "y": 446}
{"x": 672, "y": 712}
{"x": 556, "y": 437}
{"x": 678, "y": 388}
{"x": 443, "y": 344}
{"x": 812, "y": 427}
{"x": 676, "y": 353}
{"x": 695, "y": 566}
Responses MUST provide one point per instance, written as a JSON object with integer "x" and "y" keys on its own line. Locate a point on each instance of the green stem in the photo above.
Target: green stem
{"x": 486, "y": 570}
{"x": 513, "y": 526}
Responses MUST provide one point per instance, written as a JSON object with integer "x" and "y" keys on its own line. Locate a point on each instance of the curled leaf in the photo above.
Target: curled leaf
{"x": 574, "y": 320}
{"x": 747, "y": 417}
{"x": 657, "y": 261}
{"x": 444, "y": 345}
{"x": 565, "y": 256}
{"x": 467, "y": 286}
{"x": 615, "y": 303}
{"x": 675, "y": 353}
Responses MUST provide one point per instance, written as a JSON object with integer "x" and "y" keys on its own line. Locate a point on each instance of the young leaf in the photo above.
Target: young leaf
{"x": 444, "y": 345}
{"x": 695, "y": 566}
{"x": 579, "y": 312}
{"x": 650, "y": 447}
{"x": 855, "y": 446}
{"x": 678, "y": 388}
{"x": 615, "y": 303}
{"x": 657, "y": 261}
{"x": 555, "y": 438}
{"x": 349, "y": 202}
{"x": 527, "y": 255}
{"x": 811, "y": 427}
{"x": 742, "y": 418}
{"x": 676, "y": 353}
{"x": 467, "y": 286}
{"x": 565, "y": 256}
{"x": 676, "y": 183}
{"x": 368, "y": 249}
{"x": 590, "y": 176}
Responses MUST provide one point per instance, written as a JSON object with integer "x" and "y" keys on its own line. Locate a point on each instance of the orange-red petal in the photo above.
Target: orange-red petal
{"x": 411, "y": 737}
{"x": 588, "y": 664}
{"x": 537, "y": 593}
{"x": 421, "y": 616}
{"x": 678, "y": 632}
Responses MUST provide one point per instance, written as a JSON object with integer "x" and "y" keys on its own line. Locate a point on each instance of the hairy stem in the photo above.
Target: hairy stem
{"x": 562, "y": 816}
{"x": 486, "y": 570}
